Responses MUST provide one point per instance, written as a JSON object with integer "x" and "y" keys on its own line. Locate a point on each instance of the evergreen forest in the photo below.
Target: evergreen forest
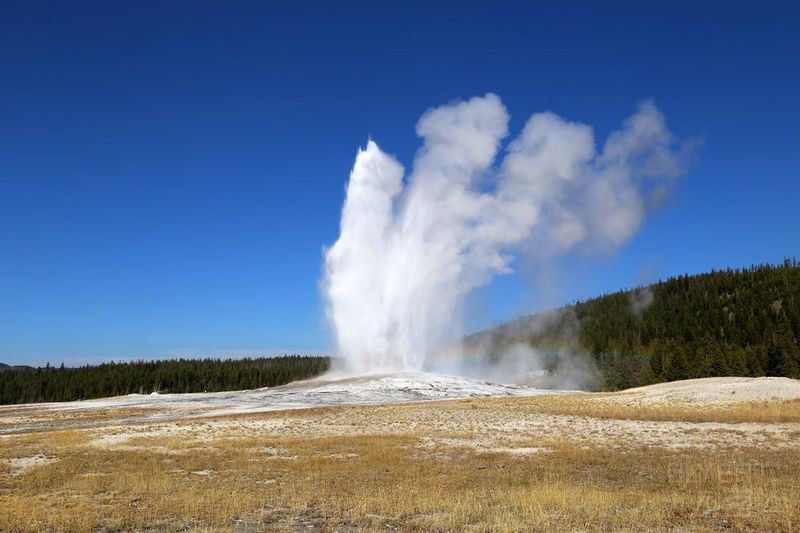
{"x": 56, "y": 384}
{"x": 735, "y": 322}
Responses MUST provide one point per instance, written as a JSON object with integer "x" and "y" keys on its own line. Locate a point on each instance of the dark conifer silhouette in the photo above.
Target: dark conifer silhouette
{"x": 724, "y": 323}
{"x": 51, "y": 384}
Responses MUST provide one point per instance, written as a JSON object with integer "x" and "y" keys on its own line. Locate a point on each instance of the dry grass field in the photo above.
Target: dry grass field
{"x": 555, "y": 462}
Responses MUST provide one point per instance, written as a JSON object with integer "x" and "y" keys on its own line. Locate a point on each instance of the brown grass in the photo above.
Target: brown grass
{"x": 257, "y": 479}
{"x": 619, "y": 408}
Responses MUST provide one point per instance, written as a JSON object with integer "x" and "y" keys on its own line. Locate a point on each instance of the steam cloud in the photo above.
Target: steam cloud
{"x": 409, "y": 252}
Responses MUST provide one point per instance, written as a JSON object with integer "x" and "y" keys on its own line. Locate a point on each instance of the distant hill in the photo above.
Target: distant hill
{"x": 4, "y": 366}
{"x": 722, "y": 323}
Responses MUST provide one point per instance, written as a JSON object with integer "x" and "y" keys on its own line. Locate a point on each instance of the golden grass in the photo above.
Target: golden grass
{"x": 257, "y": 479}
{"x": 377, "y": 481}
{"x": 618, "y": 408}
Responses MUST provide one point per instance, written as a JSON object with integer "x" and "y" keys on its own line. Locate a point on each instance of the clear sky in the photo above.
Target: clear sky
{"x": 170, "y": 171}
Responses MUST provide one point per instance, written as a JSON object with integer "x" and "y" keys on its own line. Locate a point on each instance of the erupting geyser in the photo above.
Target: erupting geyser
{"x": 409, "y": 252}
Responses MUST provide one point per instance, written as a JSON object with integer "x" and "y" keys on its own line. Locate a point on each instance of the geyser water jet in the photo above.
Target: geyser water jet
{"x": 410, "y": 251}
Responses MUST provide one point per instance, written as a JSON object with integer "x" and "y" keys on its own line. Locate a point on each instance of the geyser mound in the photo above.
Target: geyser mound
{"x": 396, "y": 387}
{"x": 411, "y": 250}
{"x": 323, "y": 391}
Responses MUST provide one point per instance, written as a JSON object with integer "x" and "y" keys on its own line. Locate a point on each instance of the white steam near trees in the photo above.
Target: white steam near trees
{"x": 411, "y": 250}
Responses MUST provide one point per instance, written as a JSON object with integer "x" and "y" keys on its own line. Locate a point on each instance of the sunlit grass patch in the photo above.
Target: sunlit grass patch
{"x": 428, "y": 466}
{"x": 609, "y": 407}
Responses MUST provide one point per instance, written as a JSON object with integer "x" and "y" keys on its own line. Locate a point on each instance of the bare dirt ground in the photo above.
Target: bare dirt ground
{"x": 719, "y": 453}
{"x": 716, "y": 390}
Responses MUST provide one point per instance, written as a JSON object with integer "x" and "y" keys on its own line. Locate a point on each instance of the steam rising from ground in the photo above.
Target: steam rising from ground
{"x": 410, "y": 251}
{"x": 509, "y": 353}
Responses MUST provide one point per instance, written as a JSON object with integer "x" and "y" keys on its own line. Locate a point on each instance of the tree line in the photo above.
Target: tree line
{"x": 734, "y": 322}
{"x": 56, "y": 384}
{"x": 742, "y": 322}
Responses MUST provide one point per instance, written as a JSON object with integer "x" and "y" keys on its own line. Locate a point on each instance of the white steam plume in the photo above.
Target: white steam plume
{"x": 410, "y": 251}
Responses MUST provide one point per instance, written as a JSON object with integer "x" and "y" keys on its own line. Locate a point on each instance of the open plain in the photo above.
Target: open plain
{"x": 400, "y": 453}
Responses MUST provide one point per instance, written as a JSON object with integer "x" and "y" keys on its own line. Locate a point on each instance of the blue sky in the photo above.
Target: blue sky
{"x": 169, "y": 172}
